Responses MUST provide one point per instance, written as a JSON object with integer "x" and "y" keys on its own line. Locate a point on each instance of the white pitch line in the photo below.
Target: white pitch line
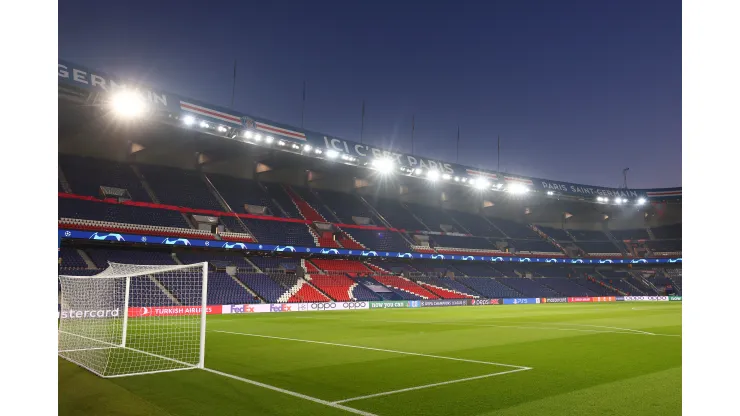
{"x": 426, "y": 386}
{"x": 292, "y": 393}
{"x": 377, "y": 349}
{"x": 593, "y": 331}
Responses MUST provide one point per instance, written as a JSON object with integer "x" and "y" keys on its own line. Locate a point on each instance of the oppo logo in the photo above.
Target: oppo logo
{"x": 323, "y": 306}
{"x": 354, "y": 305}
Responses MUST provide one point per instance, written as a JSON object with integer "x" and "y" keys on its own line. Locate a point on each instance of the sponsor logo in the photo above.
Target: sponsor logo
{"x": 234, "y": 245}
{"x": 619, "y": 298}
{"x": 302, "y": 307}
{"x": 521, "y": 301}
{"x": 450, "y": 302}
{"x": 554, "y": 300}
{"x": 354, "y": 305}
{"x": 109, "y": 236}
{"x": 285, "y": 248}
{"x": 329, "y": 251}
{"x": 323, "y": 306}
{"x": 579, "y": 299}
{"x": 438, "y": 256}
{"x": 177, "y": 241}
{"x": 414, "y": 304}
{"x": 603, "y": 299}
{"x": 172, "y": 311}
{"x": 675, "y": 298}
{"x": 551, "y": 260}
{"x": 404, "y": 255}
{"x": 369, "y": 253}
{"x": 605, "y": 261}
{"x": 280, "y": 307}
{"x": 646, "y": 298}
{"x": 88, "y": 314}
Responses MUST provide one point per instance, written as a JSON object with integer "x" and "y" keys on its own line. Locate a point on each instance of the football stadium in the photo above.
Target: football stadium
{"x": 213, "y": 262}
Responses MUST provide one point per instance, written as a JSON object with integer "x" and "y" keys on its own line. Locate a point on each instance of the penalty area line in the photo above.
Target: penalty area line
{"x": 426, "y": 386}
{"x": 291, "y": 393}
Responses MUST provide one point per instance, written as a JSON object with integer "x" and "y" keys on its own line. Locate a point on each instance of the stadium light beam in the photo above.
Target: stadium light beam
{"x": 269, "y": 139}
{"x": 128, "y": 105}
{"x": 332, "y": 154}
{"x": 480, "y": 183}
{"x": 188, "y": 120}
{"x": 641, "y": 201}
{"x": 307, "y": 147}
{"x": 248, "y": 134}
{"x": 204, "y": 125}
{"x": 418, "y": 171}
{"x": 517, "y": 189}
{"x": 433, "y": 175}
{"x": 384, "y": 166}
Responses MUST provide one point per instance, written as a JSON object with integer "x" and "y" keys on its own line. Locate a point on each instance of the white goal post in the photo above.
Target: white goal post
{"x": 134, "y": 319}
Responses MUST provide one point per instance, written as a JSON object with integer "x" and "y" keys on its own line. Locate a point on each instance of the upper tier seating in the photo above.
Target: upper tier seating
{"x": 379, "y": 240}
{"x": 514, "y": 229}
{"x": 239, "y": 192}
{"x": 345, "y": 206}
{"x": 665, "y": 246}
{"x": 592, "y": 247}
{"x": 273, "y": 263}
{"x": 473, "y": 243}
{"x": 86, "y": 175}
{"x": 310, "y": 198}
{"x": 476, "y": 224}
{"x": 529, "y": 287}
{"x": 534, "y": 246}
{"x": 489, "y": 288}
{"x": 298, "y": 290}
{"x": 276, "y": 191}
{"x": 180, "y": 187}
{"x": 632, "y": 234}
{"x": 595, "y": 287}
{"x": 448, "y": 283}
{"x": 280, "y": 233}
{"x": 100, "y": 211}
{"x": 396, "y": 214}
{"x": 557, "y": 234}
{"x": 667, "y": 232}
{"x": 589, "y": 235}
{"x": 431, "y": 216}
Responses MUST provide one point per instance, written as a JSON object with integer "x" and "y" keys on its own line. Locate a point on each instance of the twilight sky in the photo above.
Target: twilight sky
{"x": 577, "y": 89}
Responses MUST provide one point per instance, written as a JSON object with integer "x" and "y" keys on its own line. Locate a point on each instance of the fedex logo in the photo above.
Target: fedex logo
{"x": 280, "y": 307}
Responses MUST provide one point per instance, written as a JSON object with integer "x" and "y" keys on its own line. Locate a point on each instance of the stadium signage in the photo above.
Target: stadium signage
{"x": 153, "y": 240}
{"x": 646, "y": 298}
{"x": 554, "y": 300}
{"x": 448, "y": 302}
{"x": 521, "y": 301}
{"x": 579, "y": 299}
{"x": 145, "y": 311}
{"x": 389, "y": 304}
{"x": 87, "y": 314}
{"x": 87, "y": 78}
{"x": 477, "y": 302}
{"x": 675, "y": 298}
{"x": 249, "y": 308}
{"x": 80, "y": 76}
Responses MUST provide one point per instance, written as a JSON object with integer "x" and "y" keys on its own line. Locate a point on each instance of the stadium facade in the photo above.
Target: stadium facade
{"x": 287, "y": 216}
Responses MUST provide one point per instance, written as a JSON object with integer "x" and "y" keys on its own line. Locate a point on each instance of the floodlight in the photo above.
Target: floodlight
{"x": 457, "y": 179}
{"x": 318, "y": 151}
{"x": 332, "y": 154}
{"x": 464, "y": 180}
{"x": 258, "y": 137}
{"x": 248, "y": 134}
{"x": 480, "y": 183}
{"x": 295, "y": 146}
{"x": 384, "y": 166}
{"x": 269, "y": 139}
{"x": 446, "y": 176}
{"x": 517, "y": 189}
{"x": 204, "y": 125}
{"x": 605, "y": 199}
{"x": 418, "y": 171}
{"x": 432, "y": 175}
{"x": 641, "y": 201}
{"x": 307, "y": 147}
{"x": 499, "y": 185}
{"x": 618, "y": 200}
{"x": 551, "y": 193}
{"x": 188, "y": 120}
{"x": 222, "y": 129}
{"x": 128, "y": 104}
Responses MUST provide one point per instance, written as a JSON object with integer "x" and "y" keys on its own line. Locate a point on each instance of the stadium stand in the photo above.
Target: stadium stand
{"x": 476, "y": 225}
{"x": 71, "y": 259}
{"x": 280, "y": 233}
{"x": 345, "y": 206}
{"x": 224, "y": 290}
{"x": 490, "y": 288}
{"x": 566, "y": 287}
{"x": 667, "y": 232}
{"x": 180, "y": 187}
{"x": 396, "y": 214}
{"x": 101, "y": 256}
{"x": 379, "y": 240}
{"x": 277, "y": 193}
{"x": 406, "y": 285}
{"x": 529, "y": 287}
{"x": 262, "y": 285}
{"x": 239, "y": 192}
{"x": 341, "y": 266}
{"x": 515, "y": 230}
{"x": 86, "y": 175}
{"x": 631, "y": 234}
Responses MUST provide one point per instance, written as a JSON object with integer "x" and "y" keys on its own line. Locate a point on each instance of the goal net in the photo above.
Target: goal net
{"x": 134, "y": 319}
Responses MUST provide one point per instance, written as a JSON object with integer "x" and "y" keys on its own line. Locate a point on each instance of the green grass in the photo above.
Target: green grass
{"x": 579, "y": 367}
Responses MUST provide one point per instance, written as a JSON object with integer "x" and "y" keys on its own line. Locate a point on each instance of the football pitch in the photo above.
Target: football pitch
{"x": 619, "y": 358}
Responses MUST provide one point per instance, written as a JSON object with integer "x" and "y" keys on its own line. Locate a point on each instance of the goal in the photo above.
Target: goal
{"x": 134, "y": 319}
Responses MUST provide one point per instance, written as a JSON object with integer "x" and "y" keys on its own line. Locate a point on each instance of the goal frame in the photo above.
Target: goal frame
{"x": 152, "y": 269}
